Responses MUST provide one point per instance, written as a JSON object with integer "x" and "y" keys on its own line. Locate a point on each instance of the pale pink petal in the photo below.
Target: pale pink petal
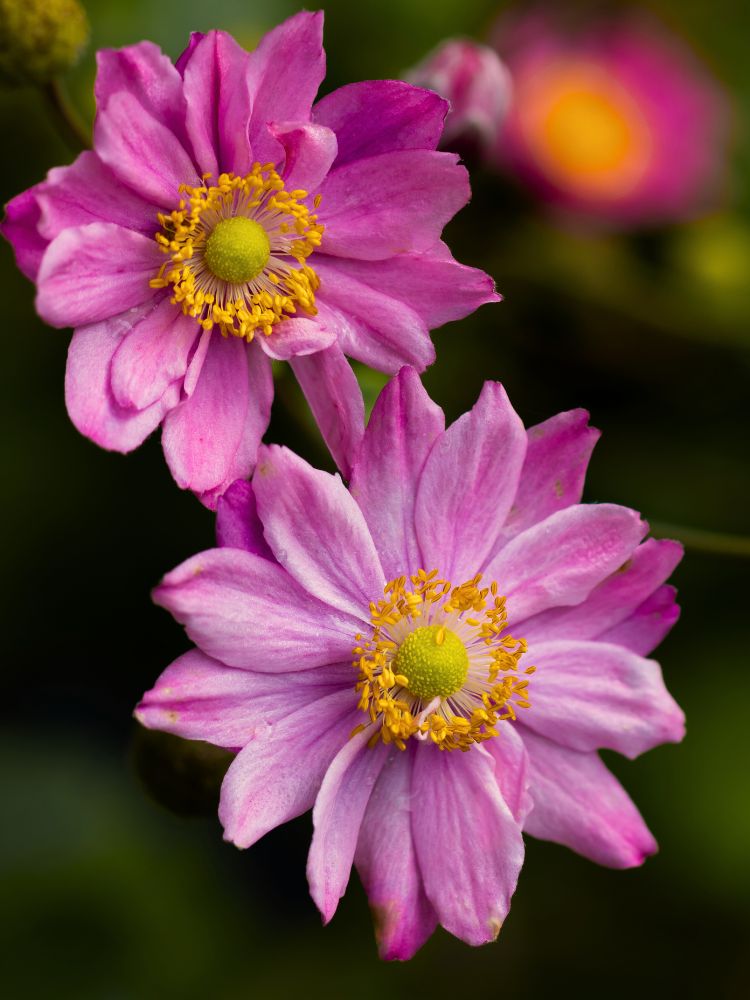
{"x": 592, "y": 695}
{"x": 391, "y": 203}
{"x": 309, "y": 152}
{"x": 260, "y": 398}
{"x": 613, "y": 600}
{"x": 432, "y": 284}
{"x": 402, "y": 429}
{"x": 20, "y": 227}
{"x": 296, "y": 337}
{"x": 560, "y": 560}
{"x": 317, "y": 531}
{"x": 141, "y": 152}
{"x": 88, "y": 397}
{"x": 369, "y": 325}
{"x": 87, "y": 191}
{"x": 469, "y": 847}
{"x": 202, "y": 435}
{"x": 217, "y": 92}
{"x": 199, "y": 698}
{"x": 553, "y": 473}
{"x": 335, "y": 399}
{"x": 468, "y": 485}
{"x": 387, "y": 864}
{"x": 511, "y": 769}
{"x": 145, "y": 72}
{"x": 337, "y": 817}
{"x": 286, "y": 70}
{"x": 237, "y": 523}
{"x": 195, "y": 367}
{"x": 152, "y": 356}
{"x": 648, "y": 624}
{"x": 579, "y": 803}
{"x": 248, "y": 612}
{"x": 381, "y": 116}
{"x": 277, "y": 775}
{"x": 94, "y": 272}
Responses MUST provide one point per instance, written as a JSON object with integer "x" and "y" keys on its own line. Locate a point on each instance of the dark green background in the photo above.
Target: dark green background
{"x": 107, "y": 894}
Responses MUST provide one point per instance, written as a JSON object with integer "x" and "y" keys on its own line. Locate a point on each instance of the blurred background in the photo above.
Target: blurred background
{"x": 115, "y": 880}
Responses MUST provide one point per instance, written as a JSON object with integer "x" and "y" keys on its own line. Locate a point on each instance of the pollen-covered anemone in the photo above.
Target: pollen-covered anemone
{"x": 223, "y": 220}
{"x": 430, "y": 661}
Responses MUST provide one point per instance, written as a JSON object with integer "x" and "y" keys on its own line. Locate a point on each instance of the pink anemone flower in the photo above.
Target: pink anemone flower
{"x": 612, "y": 119}
{"x": 426, "y": 722}
{"x": 224, "y": 220}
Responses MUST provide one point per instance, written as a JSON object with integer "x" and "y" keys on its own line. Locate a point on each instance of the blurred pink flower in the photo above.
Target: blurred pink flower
{"x": 615, "y": 120}
{"x": 284, "y": 230}
{"x": 299, "y": 585}
{"x": 477, "y": 86}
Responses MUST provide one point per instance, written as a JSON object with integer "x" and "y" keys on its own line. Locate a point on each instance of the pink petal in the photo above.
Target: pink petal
{"x": 145, "y": 72}
{"x": 200, "y": 699}
{"x": 402, "y": 429}
{"x": 216, "y": 83}
{"x": 237, "y": 523}
{"x": 432, "y": 284}
{"x": 285, "y": 71}
{"x": 468, "y": 485}
{"x": 589, "y": 695}
{"x": 142, "y": 152}
{"x": 579, "y": 803}
{"x": 645, "y": 628}
{"x": 95, "y": 272}
{"x": 248, "y": 612}
{"x": 317, "y": 531}
{"x": 309, "y": 149}
{"x": 560, "y": 560}
{"x": 260, "y": 398}
{"x": 202, "y": 435}
{"x": 387, "y": 864}
{"x": 337, "y": 818}
{"x": 89, "y": 400}
{"x": 278, "y": 774}
{"x": 511, "y": 769}
{"x": 296, "y": 337}
{"x": 20, "y": 228}
{"x": 392, "y": 203}
{"x": 87, "y": 191}
{"x": 469, "y": 847}
{"x": 553, "y": 473}
{"x": 335, "y": 398}
{"x": 613, "y": 600}
{"x": 377, "y": 330}
{"x": 152, "y": 356}
{"x": 381, "y": 116}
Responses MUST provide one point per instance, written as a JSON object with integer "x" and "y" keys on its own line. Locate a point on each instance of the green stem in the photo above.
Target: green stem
{"x": 705, "y": 541}
{"x": 72, "y": 129}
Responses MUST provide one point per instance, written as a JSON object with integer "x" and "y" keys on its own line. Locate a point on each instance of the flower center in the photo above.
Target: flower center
{"x": 237, "y": 250}
{"x": 439, "y": 664}
{"x": 434, "y": 661}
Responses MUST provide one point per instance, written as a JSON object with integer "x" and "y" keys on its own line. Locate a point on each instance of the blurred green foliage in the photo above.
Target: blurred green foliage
{"x": 106, "y": 894}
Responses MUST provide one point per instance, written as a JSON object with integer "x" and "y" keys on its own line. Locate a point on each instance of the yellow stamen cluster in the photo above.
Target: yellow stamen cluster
{"x": 492, "y": 690}
{"x": 269, "y": 296}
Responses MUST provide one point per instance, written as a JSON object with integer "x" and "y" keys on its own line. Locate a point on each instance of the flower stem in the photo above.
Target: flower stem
{"x": 69, "y": 124}
{"x": 699, "y": 540}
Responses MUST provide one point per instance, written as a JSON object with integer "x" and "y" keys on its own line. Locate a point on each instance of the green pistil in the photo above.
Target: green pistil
{"x": 237, "y": 250}
{"x": 434, "y": 660}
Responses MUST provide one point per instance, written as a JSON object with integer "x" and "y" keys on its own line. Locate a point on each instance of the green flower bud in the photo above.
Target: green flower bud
{"x": 40, "y": 39}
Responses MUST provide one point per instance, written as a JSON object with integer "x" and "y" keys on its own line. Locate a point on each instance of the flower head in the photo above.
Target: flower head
{"x": 616, "y": 121}
{"x": 223, "y": 220}
{"x": 40, "y": 39}
{"x": 455, "y": 635}
{"x": 477, "y": 85}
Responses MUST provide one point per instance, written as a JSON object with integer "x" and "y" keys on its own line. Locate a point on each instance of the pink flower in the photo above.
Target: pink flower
{"x": 476, "y": 84}
{"x": 613, "y": 119}
{"x": 309, "y": 572}
{"x": 283, "y": 229}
